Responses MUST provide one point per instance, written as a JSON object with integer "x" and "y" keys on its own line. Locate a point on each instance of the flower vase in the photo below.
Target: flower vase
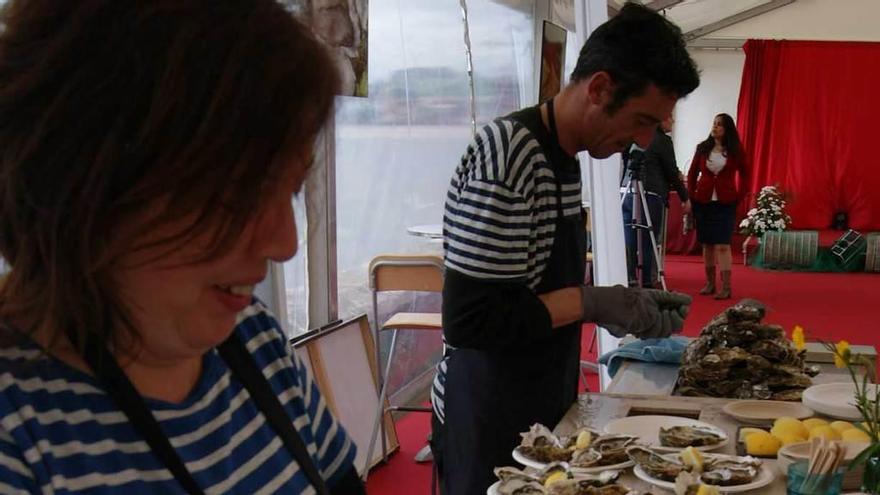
{"x": 871, "y": 478}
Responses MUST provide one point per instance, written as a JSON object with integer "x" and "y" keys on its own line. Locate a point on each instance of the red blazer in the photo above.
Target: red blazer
{"x": 701, "y": 181}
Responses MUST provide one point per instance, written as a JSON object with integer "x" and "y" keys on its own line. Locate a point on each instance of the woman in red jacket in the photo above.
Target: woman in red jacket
{"x": 713, "y": 192}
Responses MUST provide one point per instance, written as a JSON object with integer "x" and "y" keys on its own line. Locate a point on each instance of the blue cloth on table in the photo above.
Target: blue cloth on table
{"x": 668, "y": 350}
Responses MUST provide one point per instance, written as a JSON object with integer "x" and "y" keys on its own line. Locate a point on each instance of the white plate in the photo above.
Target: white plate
{"x": 647, "y": 428}
{"x": 764, "y": 412}
{"x": 836, "y": 399}
{"x": 765, "y": 477}
{"x": 525, "y": 461}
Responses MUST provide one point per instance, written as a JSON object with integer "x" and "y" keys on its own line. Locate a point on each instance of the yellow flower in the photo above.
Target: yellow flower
{"x": 797, "y": 336}
{"x": 841, "y": 354}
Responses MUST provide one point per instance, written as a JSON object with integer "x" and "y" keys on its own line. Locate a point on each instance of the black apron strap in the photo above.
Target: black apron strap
{"x": 242, "y": 365}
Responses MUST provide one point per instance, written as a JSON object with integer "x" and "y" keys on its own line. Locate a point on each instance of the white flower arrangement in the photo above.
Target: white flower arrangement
{"x": 768, "y": 215}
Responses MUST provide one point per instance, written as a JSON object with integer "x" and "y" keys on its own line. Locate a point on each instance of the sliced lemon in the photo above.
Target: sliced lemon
{"x": 814, "y": 422}
{"x": 708, "y": 490}
{"x": 762, "y": 443}
{"x": 855, "y": 435}
{"x": 841, "y": 426}
{"x": 743, "y": 432}
{"x": 692, "y": 458}
{"x": 584, "y": 439}
{"x": 791, "y": 426}
{"x": 826, "y": 432}
{"x": 555, "y": 477}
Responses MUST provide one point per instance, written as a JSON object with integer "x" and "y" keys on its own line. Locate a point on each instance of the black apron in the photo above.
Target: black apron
{"x": 492, "y": 396}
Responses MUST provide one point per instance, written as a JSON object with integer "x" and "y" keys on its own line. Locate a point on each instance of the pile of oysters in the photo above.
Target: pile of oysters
{"x": 739, "y": 357}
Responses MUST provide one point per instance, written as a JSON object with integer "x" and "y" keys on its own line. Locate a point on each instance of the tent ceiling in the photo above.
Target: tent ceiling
{"x": 698, "y": 18}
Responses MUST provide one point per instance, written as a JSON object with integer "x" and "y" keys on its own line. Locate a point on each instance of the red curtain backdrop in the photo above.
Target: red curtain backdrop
{"x": 809, "y": 118}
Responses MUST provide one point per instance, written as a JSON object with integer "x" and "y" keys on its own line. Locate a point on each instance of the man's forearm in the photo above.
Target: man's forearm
{"x": 564, "y": 305}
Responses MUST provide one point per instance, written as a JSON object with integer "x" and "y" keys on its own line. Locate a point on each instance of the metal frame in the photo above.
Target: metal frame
{"x": 321, "y": 212}
{"x": 735, "y": 19}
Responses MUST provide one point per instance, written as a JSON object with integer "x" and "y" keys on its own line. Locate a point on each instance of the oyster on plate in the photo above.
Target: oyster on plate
{"x": 612, "y": 447}
{"x": 654, "y": 464}
{"x": 729, "y": 471}
{"x": 738, "y": 356}
{"x": 514, "y": 481}
{"x": 576, "y": 489}
{"x": 577, "y": 449}
{"x": 689, "y": 436}
{"x": 540, "y": 444}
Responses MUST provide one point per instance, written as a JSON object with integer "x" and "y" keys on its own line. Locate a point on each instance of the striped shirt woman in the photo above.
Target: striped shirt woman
{"x": 60, "y": 433}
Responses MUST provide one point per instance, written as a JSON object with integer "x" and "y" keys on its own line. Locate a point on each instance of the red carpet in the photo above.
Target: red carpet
{"x": 830, "y": 306}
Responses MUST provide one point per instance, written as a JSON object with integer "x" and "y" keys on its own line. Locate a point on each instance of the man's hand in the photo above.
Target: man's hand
{"x": 645, "y": 313}
{"x": 686, "y": 207}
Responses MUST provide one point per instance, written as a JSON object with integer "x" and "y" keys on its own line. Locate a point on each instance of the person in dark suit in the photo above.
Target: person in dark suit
{"x": 657, "y": 169}
{"x": 712, "y": 185}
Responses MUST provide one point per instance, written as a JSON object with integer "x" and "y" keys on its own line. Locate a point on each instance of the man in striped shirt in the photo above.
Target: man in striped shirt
{"x": 514, "y": 240}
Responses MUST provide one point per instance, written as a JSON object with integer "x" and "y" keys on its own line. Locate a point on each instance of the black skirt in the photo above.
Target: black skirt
{"x": 714, "y": 222}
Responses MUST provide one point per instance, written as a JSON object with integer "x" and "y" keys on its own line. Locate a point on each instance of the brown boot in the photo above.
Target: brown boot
{"x": 710, "y": 282}
{"x": 724, "y": 293}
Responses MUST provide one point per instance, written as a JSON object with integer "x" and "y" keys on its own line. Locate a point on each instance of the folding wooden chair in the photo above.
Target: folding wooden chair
{"x": 417, "y": 273}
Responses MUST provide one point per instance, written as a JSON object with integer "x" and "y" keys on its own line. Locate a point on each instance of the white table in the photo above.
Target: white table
{"x": 433, "y": 231}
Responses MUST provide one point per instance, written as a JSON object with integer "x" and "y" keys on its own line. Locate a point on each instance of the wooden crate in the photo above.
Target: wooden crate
{"x": 790, "y": 247}
{"x": 872, "y": 257}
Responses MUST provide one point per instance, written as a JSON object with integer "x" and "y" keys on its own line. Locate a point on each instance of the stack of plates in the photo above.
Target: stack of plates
{"x": 836, "y": 399}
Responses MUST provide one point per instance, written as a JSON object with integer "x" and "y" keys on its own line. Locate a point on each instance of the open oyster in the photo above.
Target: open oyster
{"x": 655, "y": 465}
{"x": 573, "y": 488}
{"x": 689, "y": 436}
{"x": 540, "y": 444}
{"x": 613, "y": 448}
{"x": 584, "y": 458}
{"x": 729, "y": 471}
{"x": 518, "y": 486}
{"x": 514, "y": 481}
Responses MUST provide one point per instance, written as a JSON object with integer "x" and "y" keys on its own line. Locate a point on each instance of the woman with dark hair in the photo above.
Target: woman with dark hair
{"x": 712, "y": 186}
{"x": 149, "y": 155}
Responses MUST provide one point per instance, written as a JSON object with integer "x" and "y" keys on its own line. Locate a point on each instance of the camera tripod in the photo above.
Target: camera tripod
{"x": 641, "y": 221}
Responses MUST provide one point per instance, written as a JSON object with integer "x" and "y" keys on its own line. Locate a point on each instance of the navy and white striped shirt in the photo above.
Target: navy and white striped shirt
{"x": 501, "y": 210}
{"x": 60, "y": 433}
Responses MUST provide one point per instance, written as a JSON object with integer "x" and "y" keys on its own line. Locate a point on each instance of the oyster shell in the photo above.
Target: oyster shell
{"x": 653, "y": 464}
{"x": 540, "y": 444}
{"x": 729, "y": 476}
{"x": 518, "y": 486}
{"x": 688, "y": 436}
{"x": 509, "y": 473}
{"x": 585, "y": 458}
{"x": 570, "y": 487}
{"x": 613, "y": 448}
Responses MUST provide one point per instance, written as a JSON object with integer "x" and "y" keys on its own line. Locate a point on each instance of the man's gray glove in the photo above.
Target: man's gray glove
{"x": 645, "y": 313}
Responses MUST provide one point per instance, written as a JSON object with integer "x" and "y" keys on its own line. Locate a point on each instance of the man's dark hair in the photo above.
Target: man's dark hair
{"x": 638, "y": 47}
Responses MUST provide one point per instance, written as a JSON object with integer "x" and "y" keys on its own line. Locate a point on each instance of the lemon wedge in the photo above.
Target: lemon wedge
{"x": 584, "y": 439}
{"x": 744, "y": 432}
{"x": 692, "y": 458}
{"x": 708, "y": 490}
{"x": 762, "y": 444}
{"x": 553, "y": 478}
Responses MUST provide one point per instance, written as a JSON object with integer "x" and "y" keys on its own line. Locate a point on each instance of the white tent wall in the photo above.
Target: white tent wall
{"x": 721, "y": 70}
{"x": 720, "y": 75}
